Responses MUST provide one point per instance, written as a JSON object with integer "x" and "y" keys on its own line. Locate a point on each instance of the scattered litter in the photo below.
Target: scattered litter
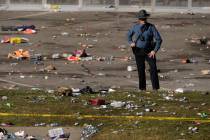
{"x": 54, "y": 37}
{"x": 4, "y": 98}
{"x": 84, "y": 35}
{"x": 208, "y": 43}
{"x": 55, "y": 133}
{"x": 203, "y": 104}
{"x": 14, "y": 40}
{"x": 203, "y": 40}
{"x": 50, "y": 91}
{"x": 103, "y": 91}
{"x": 101, "y": 74}
{"x": 205, "y": 72}
{"x": 36, "y": 59}
{"x": 54, "y": 124}
{"x": 73, "y": 58}
{"x": 25, "y": 27}
{"x": 111, "y": 90}
{"x": 168, "y": 98}
{"x": 139, "y": 113}
{"x": 30, "y": 138}
{"x": 122, "y": 47}
{"x": 198, "y": 41}
{"x": 50, "y": 68}
{"x": 165, "y": 27}
{"x": 193, "y": 60}
{"x": 117, "y": 104}
{"x": 88, "y": 131}
{"x": 131, "y": 68}
{"x": 22, "y": 76}
{"x": 203, "y": 115}
{"x": 103, "y": 107}
{"x": 3, "y": 131}
{"x": 8, "y": 105}
{"x": 189, "y": 85}
{"x": 97, "y": 102}
{"x": 190, "y": 13}
{"x": 179, "y": 90}
{"x": 46, "y": 77}
{"x": 18, "y": 28}
{"x": 76, "y": 124}
{"x": 186, "y": 60}
{"x": 35, "y": 89}
{"x": 20, "y": 134}
{"x": 8, "y": 124}
{"x": 29, "y": 31}
{"x": 64, "y": 33}
{"x": 75, "y": 90}
{"x": 149, "y": 110}
{"x": 130, "y": 105}
{"x": 54, "y": 7}
{"x": 1, "y": 135}
{"x": 88, "y": 58}
{"x": 193, "y": 129}
{"x": 64, "y": 91}
{"x": 183, "y": 99}
{"x": 19, "y": 54}
{"x": 56, "y": 56}
{"x": 40, "y": 124}
{"x": 87, "y": 90}
{"x": 110, "y": 6}
{"x": 78, "y": 55}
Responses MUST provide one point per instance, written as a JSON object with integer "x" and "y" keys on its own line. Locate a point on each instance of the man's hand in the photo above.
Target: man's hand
{"x": 152, "y": 54}
{"x": 133, "y": 45}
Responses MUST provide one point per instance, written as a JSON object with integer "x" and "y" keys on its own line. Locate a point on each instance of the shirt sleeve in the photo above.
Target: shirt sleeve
{"x": 130, "y": 35}
{"x": 157, "y": 37}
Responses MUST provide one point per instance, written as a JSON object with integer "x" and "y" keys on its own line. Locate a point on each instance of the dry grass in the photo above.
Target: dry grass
{"x": 113, "y": 129}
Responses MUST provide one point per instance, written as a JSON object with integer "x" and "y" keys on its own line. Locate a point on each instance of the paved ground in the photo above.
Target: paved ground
{"x": 42, "y": 132}
{"x": 108, "y": 32}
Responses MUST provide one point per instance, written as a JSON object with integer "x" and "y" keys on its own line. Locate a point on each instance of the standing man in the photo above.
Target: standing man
{"x": 145, "y": 41}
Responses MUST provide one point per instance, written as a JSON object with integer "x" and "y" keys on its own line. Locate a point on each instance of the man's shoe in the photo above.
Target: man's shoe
{"x": 141, "y": 90}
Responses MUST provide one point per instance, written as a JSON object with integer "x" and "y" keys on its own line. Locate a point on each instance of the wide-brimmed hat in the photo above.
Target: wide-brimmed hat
{"x": 142, "y": 14}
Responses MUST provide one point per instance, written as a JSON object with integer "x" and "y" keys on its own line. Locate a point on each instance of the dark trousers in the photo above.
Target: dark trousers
{"x": 141, "y": 56}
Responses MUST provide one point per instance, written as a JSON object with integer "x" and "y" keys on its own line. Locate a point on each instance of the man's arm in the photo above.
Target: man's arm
{"x": 157, "y": 38}
{"x": 130, "y": 36}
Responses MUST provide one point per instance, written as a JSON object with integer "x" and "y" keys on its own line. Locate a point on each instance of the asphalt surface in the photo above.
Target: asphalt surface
{"x": 108, "y": 37}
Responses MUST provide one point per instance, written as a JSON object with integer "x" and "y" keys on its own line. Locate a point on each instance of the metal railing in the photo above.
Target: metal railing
{"x": 107, "y": 5}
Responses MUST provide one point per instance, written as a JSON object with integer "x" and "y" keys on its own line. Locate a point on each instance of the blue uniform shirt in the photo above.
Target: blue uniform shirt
{"x": 150, "y": 35}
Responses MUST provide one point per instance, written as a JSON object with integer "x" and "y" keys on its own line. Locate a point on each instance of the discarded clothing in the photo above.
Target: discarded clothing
{"x": 205, "y": 72}
{"x": 18, "y": 28}
{"x": 14, "y": 40}
{"x": 73, "y": 58}
{"x": 29, "y": 31}
{"x": 97, "y": 102}
{"x": 80, "y": 53}
{"x": 87, "y": 90}
{"x": 19, "y": 54}
{"x": 64, "y": 91}
{"x": 25, "y": 27}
